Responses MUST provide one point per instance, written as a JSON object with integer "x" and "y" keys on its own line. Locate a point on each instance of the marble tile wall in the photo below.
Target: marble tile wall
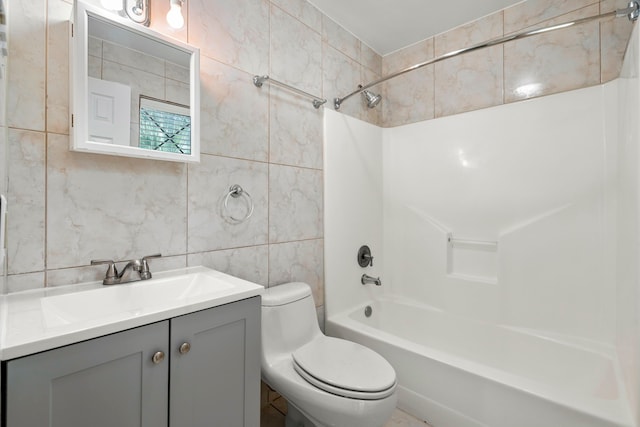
{"x": 68, "y": 208}
{"x": 572, "y": 58}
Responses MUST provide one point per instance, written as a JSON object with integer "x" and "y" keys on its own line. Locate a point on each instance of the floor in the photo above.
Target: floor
{"x": 272, "y": 415}
{"x": 274, "y": 407}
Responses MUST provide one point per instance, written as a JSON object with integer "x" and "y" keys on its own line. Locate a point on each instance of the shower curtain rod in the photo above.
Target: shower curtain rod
{"x": 632, "y": 12}
{"x": 317, "y": 102}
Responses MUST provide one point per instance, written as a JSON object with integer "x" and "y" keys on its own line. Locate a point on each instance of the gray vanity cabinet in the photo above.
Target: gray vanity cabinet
{"x": 209, "y": 376}
{"x": 216, "y": 383}
{"x": 105, "y": 382}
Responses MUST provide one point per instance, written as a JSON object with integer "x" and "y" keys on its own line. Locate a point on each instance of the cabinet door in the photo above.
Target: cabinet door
{"x": 105, "y": 382}
{"x": 217, "y": 382}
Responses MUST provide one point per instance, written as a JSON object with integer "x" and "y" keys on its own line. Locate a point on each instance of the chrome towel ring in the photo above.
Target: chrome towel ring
{"x": 236, "y": 191}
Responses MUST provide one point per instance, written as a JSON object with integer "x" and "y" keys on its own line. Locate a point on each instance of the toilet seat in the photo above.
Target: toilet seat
{"x": 344, "y": 368}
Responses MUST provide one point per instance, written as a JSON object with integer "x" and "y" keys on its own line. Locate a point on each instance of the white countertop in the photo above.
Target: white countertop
{"x": 42, "y": 319}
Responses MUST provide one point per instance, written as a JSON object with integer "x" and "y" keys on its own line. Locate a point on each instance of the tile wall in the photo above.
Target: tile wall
{"x": 67, "y": 208}
{"x": 567, "y": 59}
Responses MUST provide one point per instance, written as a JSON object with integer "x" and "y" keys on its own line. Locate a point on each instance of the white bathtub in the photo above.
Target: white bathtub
{"x": 456, "y": 372}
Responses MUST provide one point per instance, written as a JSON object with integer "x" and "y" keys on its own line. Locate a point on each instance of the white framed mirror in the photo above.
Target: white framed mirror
{"x": 134, "y": 92}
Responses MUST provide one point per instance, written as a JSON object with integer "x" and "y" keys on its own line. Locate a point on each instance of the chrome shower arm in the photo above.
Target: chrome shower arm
{"x": 632, "y": 12}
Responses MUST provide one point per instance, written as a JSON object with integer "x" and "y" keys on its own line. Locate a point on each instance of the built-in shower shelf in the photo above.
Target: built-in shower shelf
{"x": 472, "y": 260}
{"x": 475, "y": 244}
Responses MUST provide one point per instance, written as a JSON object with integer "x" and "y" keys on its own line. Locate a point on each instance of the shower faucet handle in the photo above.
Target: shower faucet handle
{"x": 369, "y": 258}
{"x": 365, "y": 259}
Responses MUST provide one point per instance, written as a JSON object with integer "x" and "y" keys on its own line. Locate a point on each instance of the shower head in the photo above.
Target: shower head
{"x": 371, "y": 98}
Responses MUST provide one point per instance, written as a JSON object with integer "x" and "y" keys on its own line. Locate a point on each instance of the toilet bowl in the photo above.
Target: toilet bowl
{"x": 326, "y": 381}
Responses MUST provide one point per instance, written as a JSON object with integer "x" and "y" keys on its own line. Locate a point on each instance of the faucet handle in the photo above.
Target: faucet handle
{"x": 144, "y": 272}
{"x": 111, "y": 277}
{"x": 365, "y": 259}
{"x": 101, "y": 261}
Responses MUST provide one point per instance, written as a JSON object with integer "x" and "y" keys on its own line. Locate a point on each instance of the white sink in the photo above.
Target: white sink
{"x": 39, "y": 320}
{"x": 132, "y": 298}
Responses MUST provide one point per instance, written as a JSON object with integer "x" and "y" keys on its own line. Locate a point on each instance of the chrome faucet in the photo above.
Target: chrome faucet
{"x": 368, "y": 279}
{"x": 141, "y": 266}
{"x": 134, "y": 265}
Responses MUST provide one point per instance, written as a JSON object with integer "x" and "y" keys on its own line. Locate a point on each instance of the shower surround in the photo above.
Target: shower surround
{"x": 506, "y": 241}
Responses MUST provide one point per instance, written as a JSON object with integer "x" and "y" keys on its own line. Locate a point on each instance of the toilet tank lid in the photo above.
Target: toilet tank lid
{"x": 285, "y": 294}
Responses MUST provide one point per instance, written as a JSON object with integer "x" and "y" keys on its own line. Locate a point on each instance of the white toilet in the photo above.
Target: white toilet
{"x": 326, "y": 381}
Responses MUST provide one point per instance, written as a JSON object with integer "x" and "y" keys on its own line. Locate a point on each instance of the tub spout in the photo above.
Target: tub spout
{"x": 368, "y": 279}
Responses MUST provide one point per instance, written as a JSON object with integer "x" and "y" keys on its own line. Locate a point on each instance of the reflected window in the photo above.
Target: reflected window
{"x": 165, "y": 126}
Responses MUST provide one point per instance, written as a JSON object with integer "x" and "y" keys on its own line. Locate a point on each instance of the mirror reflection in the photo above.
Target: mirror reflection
{"x": 139, "y": 90}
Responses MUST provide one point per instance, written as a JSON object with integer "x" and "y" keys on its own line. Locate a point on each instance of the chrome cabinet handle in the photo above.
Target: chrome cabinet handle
{"x": 157, "y": 357}
{"x": 184, "y": 348}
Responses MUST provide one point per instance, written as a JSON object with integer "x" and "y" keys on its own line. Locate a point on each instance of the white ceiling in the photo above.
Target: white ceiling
{"x": 389, "y": 25}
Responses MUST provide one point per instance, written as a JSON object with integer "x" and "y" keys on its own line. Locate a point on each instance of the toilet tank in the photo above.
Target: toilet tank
{"x": 289, "y": 318}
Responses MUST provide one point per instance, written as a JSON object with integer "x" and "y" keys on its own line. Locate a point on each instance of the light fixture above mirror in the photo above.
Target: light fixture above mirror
{"x": 136, "y": 10}
{"x": 174, "y": 16}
